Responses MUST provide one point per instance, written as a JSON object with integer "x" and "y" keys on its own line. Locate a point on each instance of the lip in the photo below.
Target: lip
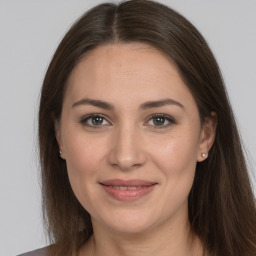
{"x": 127, "y": 190}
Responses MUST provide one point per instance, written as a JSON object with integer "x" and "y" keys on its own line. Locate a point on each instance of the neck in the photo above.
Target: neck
{"x": 165, "y": 240}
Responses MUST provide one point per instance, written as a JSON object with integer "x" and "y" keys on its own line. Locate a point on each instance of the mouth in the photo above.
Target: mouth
{"x": 127, "y": 190}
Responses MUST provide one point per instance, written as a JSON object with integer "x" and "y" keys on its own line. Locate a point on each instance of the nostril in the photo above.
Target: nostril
{"x": 125, "y": 164}
{"x": 126, "y": 153}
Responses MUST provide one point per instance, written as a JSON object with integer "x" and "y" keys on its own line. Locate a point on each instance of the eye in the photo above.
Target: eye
{"x": 160, "y": 121}
{"x": 95, "y": 121}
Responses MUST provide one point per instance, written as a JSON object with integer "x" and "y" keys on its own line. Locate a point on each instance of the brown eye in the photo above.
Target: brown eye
{"x": 160, "y": 121}
{"x": 97, "y": 120}
{"x": 94, "y": 121}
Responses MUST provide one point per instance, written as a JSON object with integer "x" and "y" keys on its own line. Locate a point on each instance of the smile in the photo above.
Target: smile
{"x": 127, "y": 190}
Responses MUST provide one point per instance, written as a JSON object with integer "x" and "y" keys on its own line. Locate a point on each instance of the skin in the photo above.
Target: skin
{"x": 129, "y": 144}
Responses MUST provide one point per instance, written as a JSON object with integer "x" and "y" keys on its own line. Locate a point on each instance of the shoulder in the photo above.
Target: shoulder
{"x": 38, "y": 252}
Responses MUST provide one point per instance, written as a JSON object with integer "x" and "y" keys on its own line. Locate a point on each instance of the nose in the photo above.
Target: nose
{"x": 127, "y": 149}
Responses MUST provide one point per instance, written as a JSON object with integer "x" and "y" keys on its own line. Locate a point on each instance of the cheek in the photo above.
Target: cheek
{"x": 83, "y": 158}
{"x": 83, "y": 161}
{"x": 175, "y": 154}
{"x": 177, "y": 162}
{"x": 176, "y": 158}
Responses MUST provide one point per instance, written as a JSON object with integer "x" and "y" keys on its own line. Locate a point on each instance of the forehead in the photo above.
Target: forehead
{"x": 125, "y": 59}
{"x": 126, "y": 70}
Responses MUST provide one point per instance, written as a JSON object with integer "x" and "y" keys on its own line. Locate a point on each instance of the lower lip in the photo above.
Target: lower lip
{"x": 127, "y": 195}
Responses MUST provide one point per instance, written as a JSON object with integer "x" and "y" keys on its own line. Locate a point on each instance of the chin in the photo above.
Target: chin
{"x": 128, "y": 223}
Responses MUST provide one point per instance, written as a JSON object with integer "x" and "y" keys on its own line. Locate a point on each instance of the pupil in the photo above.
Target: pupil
{"x": 97, "y": 120}
{"x": 159, "y": 121}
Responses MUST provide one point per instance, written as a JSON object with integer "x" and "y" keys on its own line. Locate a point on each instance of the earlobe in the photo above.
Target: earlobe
{"x": 59, "y": 138}
{"x": 207, "y": 136}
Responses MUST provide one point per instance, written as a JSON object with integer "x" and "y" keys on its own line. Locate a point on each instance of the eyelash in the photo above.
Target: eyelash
{"x": 84, "y": 120}
{"x": 171, "y": 121}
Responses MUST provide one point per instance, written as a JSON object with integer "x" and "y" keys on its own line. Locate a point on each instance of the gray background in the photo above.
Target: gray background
{"x": 30, "y": 32}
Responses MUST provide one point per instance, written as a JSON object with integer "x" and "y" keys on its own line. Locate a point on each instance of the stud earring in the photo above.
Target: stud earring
{"x": 204, "y": 155}
{"x": 60, "y": 152}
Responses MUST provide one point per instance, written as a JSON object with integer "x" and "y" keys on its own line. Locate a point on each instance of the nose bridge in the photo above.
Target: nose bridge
{"x": 127, "y": 147}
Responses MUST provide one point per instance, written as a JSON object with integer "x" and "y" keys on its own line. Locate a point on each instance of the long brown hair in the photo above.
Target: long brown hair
{"x": 222, "y": 209}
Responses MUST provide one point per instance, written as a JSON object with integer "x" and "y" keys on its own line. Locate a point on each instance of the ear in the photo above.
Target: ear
{"x": 59, "y": 138}
{"x": 207, "y": 136}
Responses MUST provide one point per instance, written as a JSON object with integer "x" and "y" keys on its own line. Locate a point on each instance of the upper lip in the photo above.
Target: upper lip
{"x": 127, "y": 183}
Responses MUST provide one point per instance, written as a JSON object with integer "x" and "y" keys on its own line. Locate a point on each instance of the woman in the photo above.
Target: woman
{"x": 139, "y": 149}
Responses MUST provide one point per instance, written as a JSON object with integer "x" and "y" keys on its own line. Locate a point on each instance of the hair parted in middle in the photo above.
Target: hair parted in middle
{"x": 221, "y": 203}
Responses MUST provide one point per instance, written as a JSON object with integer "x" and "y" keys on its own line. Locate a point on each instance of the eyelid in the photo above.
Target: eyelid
{"x": 170, "y": 119}
{"x": 84, "y": 119}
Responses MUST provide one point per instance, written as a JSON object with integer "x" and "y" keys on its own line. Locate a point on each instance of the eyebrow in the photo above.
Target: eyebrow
{"x": 144, "y": 106}
{"x": 160, "y": 103}
{"x": 96, "y": 103}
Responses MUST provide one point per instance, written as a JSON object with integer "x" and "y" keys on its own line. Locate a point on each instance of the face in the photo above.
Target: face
{"x": 131, "y": 136}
